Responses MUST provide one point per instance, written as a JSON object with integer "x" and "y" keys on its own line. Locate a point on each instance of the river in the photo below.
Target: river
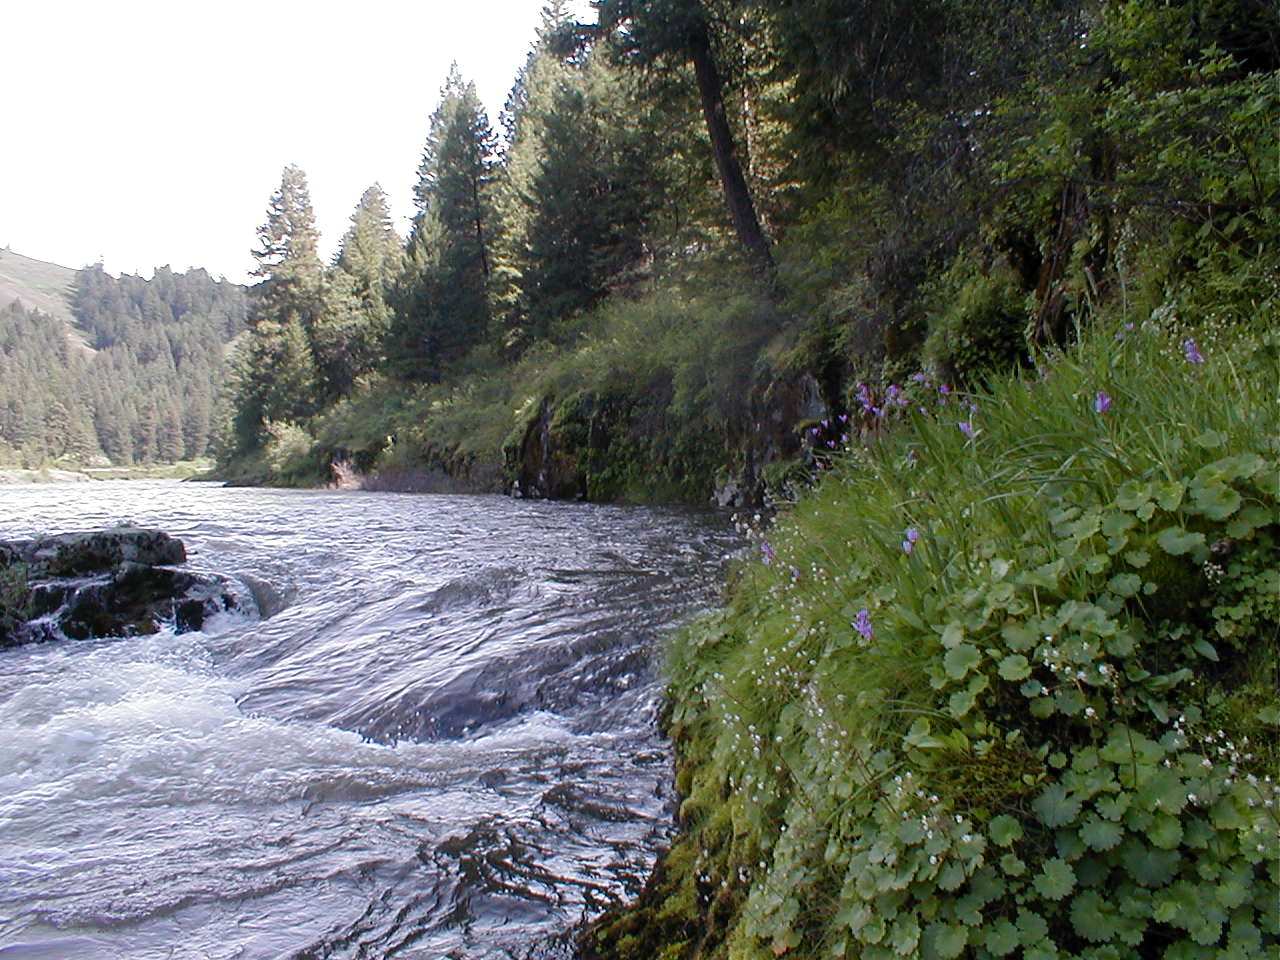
{"x": 440, "y": 740}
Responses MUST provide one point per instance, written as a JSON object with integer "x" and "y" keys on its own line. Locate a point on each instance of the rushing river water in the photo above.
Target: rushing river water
{"x": 439, "y": 742}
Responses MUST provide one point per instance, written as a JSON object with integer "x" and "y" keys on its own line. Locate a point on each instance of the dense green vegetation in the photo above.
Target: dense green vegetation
{"x": 1004, "y": 685}
{"x": 705, "y": 221}
{"x": 989, "y": 290}
{"x": 136, "y": 381}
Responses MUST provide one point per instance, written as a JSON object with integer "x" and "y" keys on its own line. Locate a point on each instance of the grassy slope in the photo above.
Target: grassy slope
{"x": 44, "y": 286}
{"x": 1048, "y": 729}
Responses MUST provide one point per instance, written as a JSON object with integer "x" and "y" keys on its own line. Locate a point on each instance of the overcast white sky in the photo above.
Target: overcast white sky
{"x": 146, "y": 132}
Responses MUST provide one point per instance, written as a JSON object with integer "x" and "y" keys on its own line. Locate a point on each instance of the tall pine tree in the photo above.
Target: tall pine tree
{"x": 356, "y": 319}
{"x": 442, "y": 307}
{"x": 276, "y": 377}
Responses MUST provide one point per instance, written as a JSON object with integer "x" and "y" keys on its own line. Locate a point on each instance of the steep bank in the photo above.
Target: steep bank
{"x": 1003, "y": 686}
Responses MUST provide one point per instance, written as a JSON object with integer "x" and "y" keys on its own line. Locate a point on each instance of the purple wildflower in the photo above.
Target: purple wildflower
{"x": 1102, "y": 402}
{"x": 864, "y": 398}
{"x": 767, "y": 549}
{"x": 795, "y": 574}
{"x": 967, "y": 429}
{"x": 1192, "y": 352}
{"x": 862, "y": 623}
{"x": 912, "y": 535}
{"x": 945, "y": 390}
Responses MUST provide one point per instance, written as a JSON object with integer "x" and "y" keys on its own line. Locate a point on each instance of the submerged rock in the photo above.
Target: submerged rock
{"x": 118, "y": 582}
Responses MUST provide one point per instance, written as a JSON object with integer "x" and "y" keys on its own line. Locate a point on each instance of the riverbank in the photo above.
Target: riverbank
{"x": 43, "y": 475}
{"x": 182, "y": 470}
{"x": 1004, "y": 685}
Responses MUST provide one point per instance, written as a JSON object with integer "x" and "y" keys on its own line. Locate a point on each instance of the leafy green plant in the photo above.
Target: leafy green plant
{"x": 979, "y": 323}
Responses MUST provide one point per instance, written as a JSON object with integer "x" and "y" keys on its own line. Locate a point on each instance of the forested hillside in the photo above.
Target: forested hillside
{"x": 707, "y": 230}
{"x": 137, "y": 380}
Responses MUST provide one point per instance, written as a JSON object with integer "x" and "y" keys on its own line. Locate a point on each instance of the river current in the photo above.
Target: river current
{"x": 436, "y": 740}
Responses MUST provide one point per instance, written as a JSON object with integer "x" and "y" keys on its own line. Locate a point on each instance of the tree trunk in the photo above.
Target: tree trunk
{"x": 475, "y": 205}
{"x": 741, "y": 210}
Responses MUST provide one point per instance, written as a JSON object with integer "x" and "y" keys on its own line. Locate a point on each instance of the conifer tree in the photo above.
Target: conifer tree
{"x": 649, "y": 32}
{"x": 441, "y": 297}
{"x": 578, "y": 192}
{"x": 356, "y": 319}
{"x": 276, "y": 376}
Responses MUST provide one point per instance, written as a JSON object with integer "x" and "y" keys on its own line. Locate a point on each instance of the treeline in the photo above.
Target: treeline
{"x": 137, "y": 380}
{"x": 703, "y": 223}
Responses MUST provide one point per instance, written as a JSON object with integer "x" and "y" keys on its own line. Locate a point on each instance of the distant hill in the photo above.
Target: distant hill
{"x": 43, "y": 286}
{"x": 96, "y": 369}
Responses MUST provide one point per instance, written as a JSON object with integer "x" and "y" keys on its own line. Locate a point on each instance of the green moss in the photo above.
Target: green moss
{"x": 15, "y": 595}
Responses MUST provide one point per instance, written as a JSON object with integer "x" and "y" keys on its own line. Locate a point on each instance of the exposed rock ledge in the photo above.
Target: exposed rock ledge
{"x": 106, "y": 583}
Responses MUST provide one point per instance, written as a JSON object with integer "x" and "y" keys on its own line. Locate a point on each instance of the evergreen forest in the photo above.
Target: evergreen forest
{"x": 702, "y": 231}
{"x": 135, "y": 381}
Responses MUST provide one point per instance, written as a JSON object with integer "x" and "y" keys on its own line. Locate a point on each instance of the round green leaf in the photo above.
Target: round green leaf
{"x": 1100, "y": 834}
{"x": 1056, "y": 880}
{"x": 1002, "y": 938}
{"x": 1176, "y": 541}
{"x": 1004, "y": 830}
{"x": 1015, "y": 667}
{"x": 945, "y": 940}
{"x": 1055, "y": 807}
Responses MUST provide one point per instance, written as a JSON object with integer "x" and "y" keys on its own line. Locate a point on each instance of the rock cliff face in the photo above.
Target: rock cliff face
{"x": 771, "y": 435}
{"x": 107, "y": 583}
{"x": 619, "y": 447}
{"x": 546, "y": 463}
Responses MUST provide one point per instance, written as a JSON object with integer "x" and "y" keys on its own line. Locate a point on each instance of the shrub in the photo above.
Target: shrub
{"x": 290, "y": 454}
{"x": 979, "y": 323}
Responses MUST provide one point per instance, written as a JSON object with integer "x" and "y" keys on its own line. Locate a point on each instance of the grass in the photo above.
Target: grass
{"x": 43, "y": 286}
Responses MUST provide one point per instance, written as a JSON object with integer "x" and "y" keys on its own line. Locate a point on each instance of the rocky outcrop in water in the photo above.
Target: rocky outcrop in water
{"x": 118, "y": 582}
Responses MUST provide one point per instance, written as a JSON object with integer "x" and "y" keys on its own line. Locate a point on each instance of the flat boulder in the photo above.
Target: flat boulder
{"x": 72, "y": 554}
{"x": 118, "y": 582}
